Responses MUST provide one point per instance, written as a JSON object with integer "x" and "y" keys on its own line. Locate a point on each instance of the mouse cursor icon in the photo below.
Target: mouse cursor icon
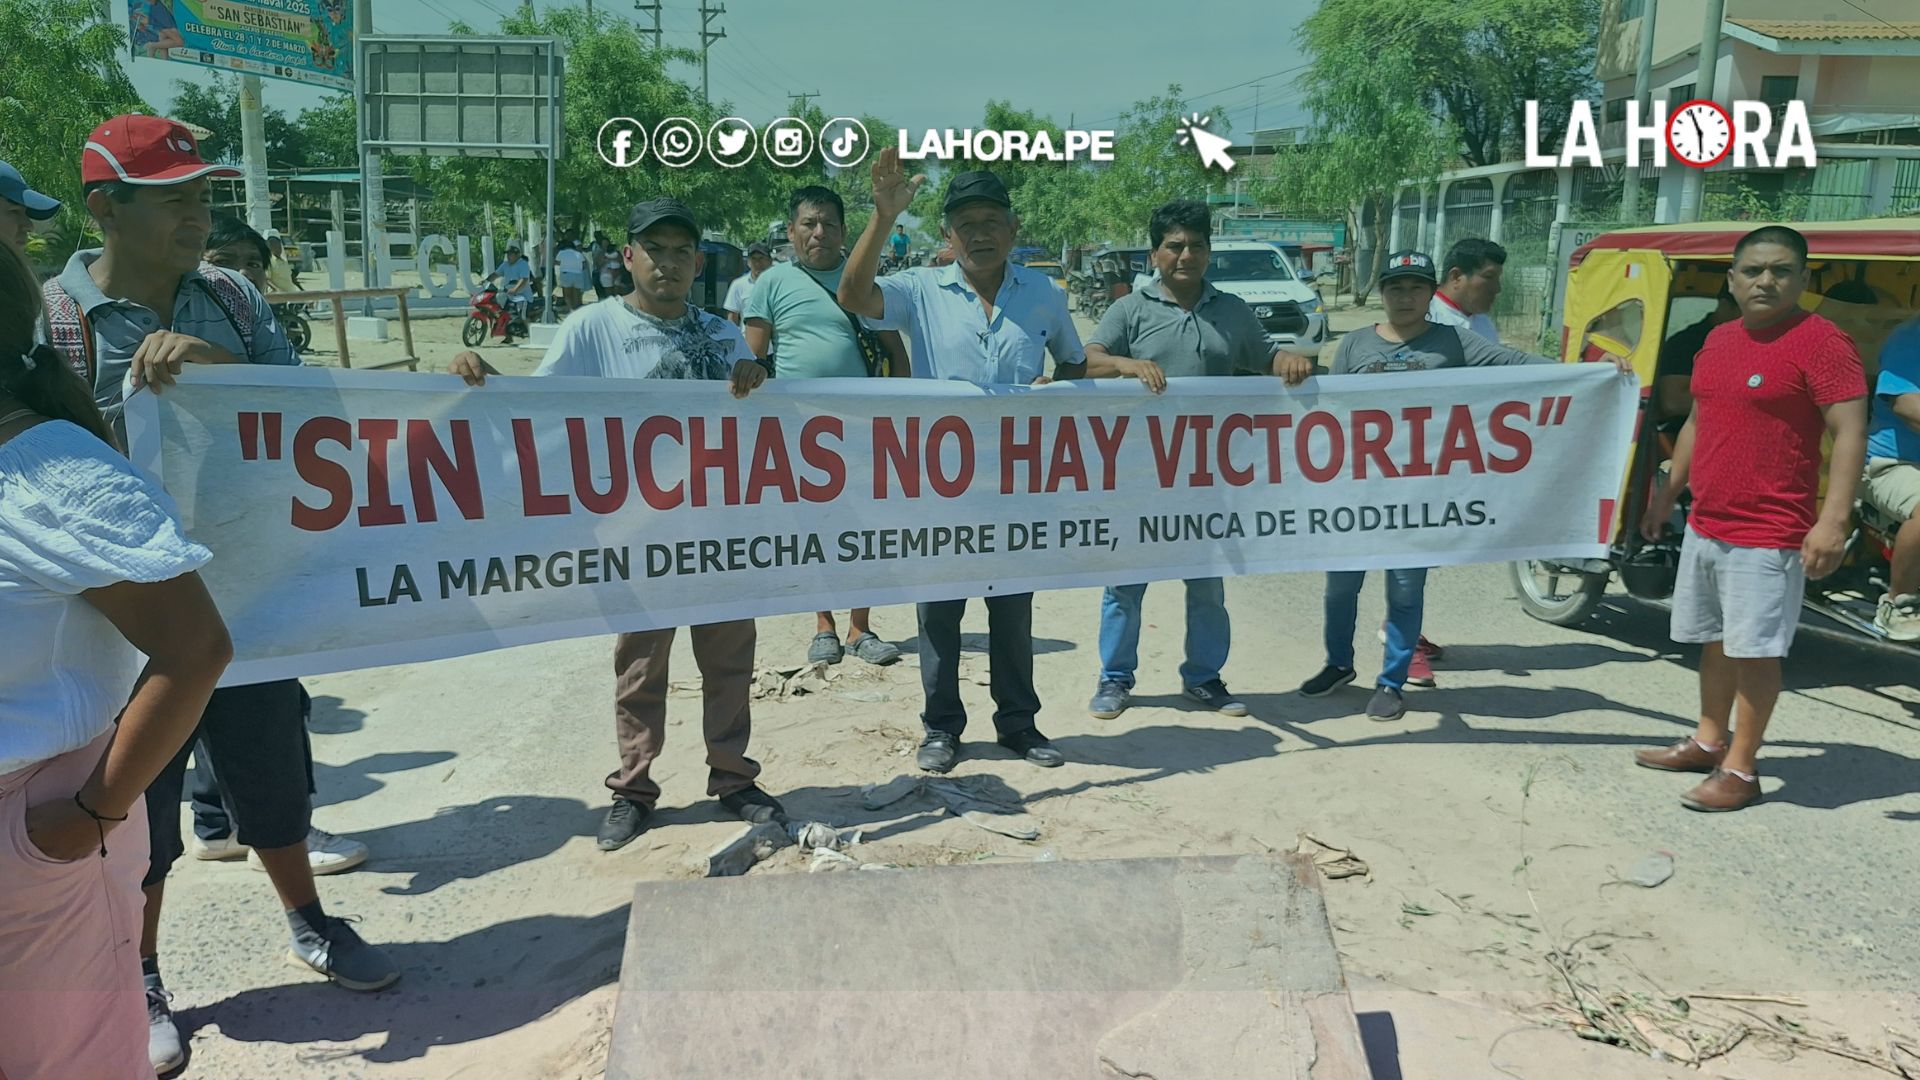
{"x": 1212, "y": 148}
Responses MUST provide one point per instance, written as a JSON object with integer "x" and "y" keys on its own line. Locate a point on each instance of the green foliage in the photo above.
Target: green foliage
{"x": 62, "y": 74}
{"x": 328, "y": 133}
{"x": 613, "y": 70}
{"x": 1149, "y": 168}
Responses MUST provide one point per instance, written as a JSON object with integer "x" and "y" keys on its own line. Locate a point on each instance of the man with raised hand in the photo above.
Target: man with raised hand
{"x": 1767, "y": 389}
{"x": 984, "y": 320}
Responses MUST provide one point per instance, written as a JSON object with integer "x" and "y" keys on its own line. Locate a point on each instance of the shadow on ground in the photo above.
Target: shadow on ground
{"x": 471, "y": 987}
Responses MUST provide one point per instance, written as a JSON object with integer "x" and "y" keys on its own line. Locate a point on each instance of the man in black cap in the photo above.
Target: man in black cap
{"x": 20, "y": 207}
{"x": 983, "y": 320}
{"x": 759, "y": 258}
{"x": 653, "y": 333}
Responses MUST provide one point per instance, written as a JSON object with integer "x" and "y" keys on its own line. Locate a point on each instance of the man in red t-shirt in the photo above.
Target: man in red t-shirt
{"x": 1767, "y": 388}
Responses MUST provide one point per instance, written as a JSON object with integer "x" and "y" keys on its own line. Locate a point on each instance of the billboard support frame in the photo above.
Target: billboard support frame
{"x": 551, "y": 51}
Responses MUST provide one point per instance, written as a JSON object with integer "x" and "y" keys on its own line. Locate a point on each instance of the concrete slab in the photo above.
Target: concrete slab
{"x": 540, "y": 335}
{"x": 1217, "y": 968}
{"x": 366, "y": 328}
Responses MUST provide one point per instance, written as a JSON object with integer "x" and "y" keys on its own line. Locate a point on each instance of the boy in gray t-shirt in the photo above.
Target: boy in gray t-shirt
{"x": 1366, "y": 352}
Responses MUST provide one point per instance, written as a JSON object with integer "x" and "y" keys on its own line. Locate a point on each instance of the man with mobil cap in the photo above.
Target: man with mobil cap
{"x": 654, "y": 333}
{"x": 138, "y": 308}
{"x": 20, "y": 207}
{"x": 983, "y": 320}
{"x": 1408, "y": 341}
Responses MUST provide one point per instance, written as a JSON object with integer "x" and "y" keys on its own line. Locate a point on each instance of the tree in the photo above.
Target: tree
{"x": 1372, "y": 127}
{"x": 612, "y": 70}
{"x": 1474, "y": 62}
{"x": 1149, "y": 168}
{"x": 61, "y": 77}
{"x": 328, "y": 133}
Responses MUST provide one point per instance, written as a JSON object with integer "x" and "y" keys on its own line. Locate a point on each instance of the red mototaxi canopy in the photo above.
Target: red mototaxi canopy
{"x": 1879, "y": 237}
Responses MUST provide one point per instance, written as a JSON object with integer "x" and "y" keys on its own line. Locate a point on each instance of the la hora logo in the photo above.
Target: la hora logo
{"x": 1699, "y": 133}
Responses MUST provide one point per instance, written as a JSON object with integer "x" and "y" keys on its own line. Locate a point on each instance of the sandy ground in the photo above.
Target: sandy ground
{"x": 1497, "y": 820}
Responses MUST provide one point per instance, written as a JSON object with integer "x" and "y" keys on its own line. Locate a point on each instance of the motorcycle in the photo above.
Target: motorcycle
{"x": 1625, "y": 294}
{"x": 293, "y": 320}
{"x": 488, "y": 317}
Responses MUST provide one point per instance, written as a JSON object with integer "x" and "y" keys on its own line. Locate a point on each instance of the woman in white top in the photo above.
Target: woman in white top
{"x": 94, "y": 572}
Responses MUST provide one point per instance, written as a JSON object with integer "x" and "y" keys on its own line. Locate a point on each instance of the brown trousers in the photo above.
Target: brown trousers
{"x": 724, "y": 652}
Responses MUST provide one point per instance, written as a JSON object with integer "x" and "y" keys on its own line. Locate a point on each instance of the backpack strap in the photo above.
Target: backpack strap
{"x": 70, "y": 332}
{"x": 232, "y": 299}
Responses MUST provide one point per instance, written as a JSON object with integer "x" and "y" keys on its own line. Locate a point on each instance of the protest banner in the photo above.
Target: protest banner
{"x": 365, "y": 518}
{"x": 309, "y": 41}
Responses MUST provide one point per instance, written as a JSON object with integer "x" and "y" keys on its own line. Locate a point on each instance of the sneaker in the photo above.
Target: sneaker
{"x": 871, "y": 649}
{"x": 164, "y": 1050}
{"x": 1109, "y": 700}
{"x": 1214, "y": 695}
{"x": 218, "y": 848}
{"x": 1420, "y": 671}
{"x": 326, "y": 853}
{"x": 1035, "y": 747}
{"x": 1387, "y": 704}
{"x": 625, "y": 820}
{"x": 337, "y": 951}
{"x": 938, "y": 752}
{"x": 1899, "y": 617}
{"x": 825, "y": 648}
{"x": 1330, "y": 679}
{"x": 1434, "y": 652}
{"x": 753, "y": 806}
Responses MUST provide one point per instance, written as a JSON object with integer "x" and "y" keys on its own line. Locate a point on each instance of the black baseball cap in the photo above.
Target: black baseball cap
{"x": 1417, "y": 264}
{"x": 976, "y": 186}
{"x": 652, "y": 212}
{"x": 759, "y": 247}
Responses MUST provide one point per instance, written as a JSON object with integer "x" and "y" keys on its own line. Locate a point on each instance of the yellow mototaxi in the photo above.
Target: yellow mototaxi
{"x": 1631, "y": 290}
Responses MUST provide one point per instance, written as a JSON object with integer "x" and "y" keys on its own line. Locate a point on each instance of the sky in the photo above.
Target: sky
{"x": 927, "y": 64}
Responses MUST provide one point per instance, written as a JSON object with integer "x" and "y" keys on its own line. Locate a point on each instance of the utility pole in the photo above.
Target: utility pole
{"x": 798, "y": 102}
{"x": 1642, "y": 93}
{"x": 589, "y": 11}
{"x": 707, "y": 38}
{"x": 655, "y": 9}
{"x": 373, "y": 192}
{"x": 1694, "y": 182}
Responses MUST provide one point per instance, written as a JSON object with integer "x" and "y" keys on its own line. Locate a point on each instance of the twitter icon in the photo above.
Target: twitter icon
{"x": 731, "y": 142}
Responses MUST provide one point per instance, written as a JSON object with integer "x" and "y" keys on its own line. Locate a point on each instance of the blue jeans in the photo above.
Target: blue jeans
{"x": 1406, "y": 603}
{"x": 1208, "y": 632}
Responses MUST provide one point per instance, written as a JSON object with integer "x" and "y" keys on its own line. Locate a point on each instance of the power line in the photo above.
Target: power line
{"x": 1874, "y": 17}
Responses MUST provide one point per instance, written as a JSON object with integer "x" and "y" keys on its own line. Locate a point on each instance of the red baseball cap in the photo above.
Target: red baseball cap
{"x": 145, "y": 150}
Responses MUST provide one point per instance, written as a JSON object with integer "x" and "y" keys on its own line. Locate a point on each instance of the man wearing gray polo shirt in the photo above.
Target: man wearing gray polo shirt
{"x": 1175, "y": 327}
{"x": 144, "y": 303}
{"x": 983, "y": 320}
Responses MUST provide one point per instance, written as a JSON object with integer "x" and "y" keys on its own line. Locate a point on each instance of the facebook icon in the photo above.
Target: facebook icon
{"x": 622, "y": 142}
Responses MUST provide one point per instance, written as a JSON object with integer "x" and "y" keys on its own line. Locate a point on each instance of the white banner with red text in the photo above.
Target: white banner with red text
{"x": 359, "y": 519}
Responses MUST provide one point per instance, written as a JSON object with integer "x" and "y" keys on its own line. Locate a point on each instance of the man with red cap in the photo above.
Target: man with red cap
{"x": 140, "y": 307}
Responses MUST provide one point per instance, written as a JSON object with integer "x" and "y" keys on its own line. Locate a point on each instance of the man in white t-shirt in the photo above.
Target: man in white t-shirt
{"x": 759, "y": 258}
{"x": 653, "y": 333}
{"x": 1469, "y": 284}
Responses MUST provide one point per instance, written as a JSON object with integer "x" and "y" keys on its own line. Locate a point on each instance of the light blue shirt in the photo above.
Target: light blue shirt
{"x": 119, "y": 326}
{"x": 813, "y": 337}
{"x": 1889, "y": 436}
{"x": 952, "y": 338}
